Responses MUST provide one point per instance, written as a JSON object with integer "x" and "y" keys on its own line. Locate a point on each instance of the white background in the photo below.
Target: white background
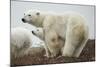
{"x": 5, "y": 32}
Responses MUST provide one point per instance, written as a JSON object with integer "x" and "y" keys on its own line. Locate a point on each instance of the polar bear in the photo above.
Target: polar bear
{"x": 21, "y": 43}
{"x": 69, "y": 26}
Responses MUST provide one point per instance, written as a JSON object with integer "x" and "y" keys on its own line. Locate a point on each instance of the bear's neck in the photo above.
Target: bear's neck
{"x": 39, "y": 22}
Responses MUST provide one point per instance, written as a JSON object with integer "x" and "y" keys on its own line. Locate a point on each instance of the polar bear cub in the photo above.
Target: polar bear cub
{"x": 39, "y": 33}
{"x": 21, "y": 41}
{"x": 68, "y": 26}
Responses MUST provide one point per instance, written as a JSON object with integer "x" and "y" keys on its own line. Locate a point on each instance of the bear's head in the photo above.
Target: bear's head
{"x": 33, "y": 17}
{"x": 39, "y": 33}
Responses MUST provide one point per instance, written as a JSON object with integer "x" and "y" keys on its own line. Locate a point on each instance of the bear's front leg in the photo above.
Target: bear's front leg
{"x": 54, "y": 52}
{"x": 68, "y": 49}
{"x": 46, "y": 50}
{"x": 52, "y": 43}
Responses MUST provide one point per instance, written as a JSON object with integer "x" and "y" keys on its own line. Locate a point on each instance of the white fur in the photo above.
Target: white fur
{"x": 21, "y": 40}
{"x": 68, "y": 26}
{"x": 39, "y": 33}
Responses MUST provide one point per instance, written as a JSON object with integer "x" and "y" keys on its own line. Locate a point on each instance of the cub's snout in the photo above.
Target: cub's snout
{"x": 33, "y": 33}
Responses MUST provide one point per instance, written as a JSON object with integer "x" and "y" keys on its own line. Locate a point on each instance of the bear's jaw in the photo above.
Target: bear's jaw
{"x": 37, "y": 24}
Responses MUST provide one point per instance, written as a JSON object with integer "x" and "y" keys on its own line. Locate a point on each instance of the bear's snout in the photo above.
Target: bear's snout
{"x": 23, "y": 20}
{"x": 33, "y": 32}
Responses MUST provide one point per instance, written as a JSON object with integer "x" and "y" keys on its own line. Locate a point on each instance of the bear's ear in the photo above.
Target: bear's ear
{"x": 38, "y": 13}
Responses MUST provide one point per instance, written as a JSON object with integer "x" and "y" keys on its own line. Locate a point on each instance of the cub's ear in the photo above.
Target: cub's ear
{"x": 38, "y": 13}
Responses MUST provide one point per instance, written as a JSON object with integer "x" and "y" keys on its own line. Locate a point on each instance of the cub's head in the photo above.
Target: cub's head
{"x": 32, "y": 17}
{"x": 39, "y": 33}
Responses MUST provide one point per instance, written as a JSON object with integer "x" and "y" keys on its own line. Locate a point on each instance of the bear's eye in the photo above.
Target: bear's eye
{"x": 29, "y": 15}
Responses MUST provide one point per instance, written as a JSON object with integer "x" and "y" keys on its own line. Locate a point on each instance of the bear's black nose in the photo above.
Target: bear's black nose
{"x": 23, "y": 19}
{"x": 33, "y": 32}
